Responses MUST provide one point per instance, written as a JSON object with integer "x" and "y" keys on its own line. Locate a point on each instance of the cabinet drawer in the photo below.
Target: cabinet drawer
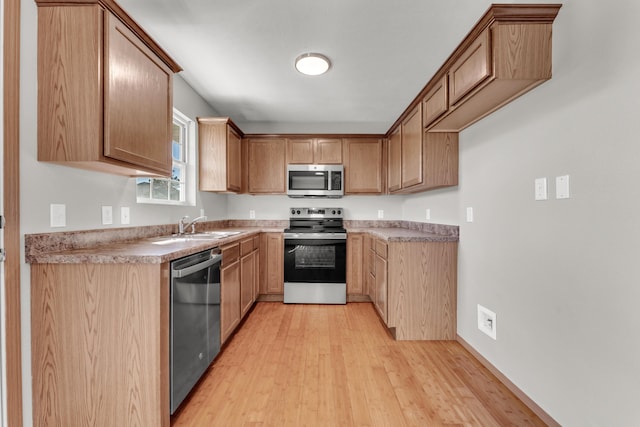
{"x": 230, "y": 254}
{"x": 436, "y": 102}
{"x": 246, "y": 246}
{"x": 381, "y": 248}
{"x": 471, "y": 69}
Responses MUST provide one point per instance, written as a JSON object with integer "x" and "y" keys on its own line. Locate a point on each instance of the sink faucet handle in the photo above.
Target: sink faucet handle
{"x": 181, "y": 224}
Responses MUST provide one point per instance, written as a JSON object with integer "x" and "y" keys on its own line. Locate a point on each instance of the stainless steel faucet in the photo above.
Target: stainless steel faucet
{"x": 183, "y": 225}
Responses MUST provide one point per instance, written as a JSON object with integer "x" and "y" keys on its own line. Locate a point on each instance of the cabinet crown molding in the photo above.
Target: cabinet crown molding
{"x": 117, "y": 10}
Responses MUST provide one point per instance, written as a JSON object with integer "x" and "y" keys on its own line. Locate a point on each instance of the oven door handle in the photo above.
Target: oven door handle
{"x": 294, "y": 249}
{"x": 183, "y": 272}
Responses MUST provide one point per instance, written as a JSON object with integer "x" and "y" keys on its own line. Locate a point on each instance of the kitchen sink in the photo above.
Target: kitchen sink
{"x": 204, "y": 235}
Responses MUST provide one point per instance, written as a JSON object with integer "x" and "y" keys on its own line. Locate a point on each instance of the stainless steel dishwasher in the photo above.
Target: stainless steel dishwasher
{"x": 195, "y": 320}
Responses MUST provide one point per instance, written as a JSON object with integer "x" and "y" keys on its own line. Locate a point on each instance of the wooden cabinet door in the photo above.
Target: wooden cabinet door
{"x": 436, "y": 102}
{"x": 247, "y": 271}
{"x": 355, "y": 278}
{"x": 394, "y": 166}
{"x": 272, "y": 262}
{"x": 229, "y": 291}
{"x": 328, "y": 151}
{"x": 471, "y": 69}
{"x": 267, "y": 165}
{"x": 412, "y": 148}
{"x": 381, "y": 287}
{"x": 234, "y": 160}
{"x": 256, "y": 268}
{"x": 300, "y": 151}
{"x": 138, "y": 109}
{"x": 363, "y": 165}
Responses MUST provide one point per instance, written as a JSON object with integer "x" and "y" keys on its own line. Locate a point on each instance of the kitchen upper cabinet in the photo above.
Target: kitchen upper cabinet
{"x": 436, "y": 101}
{"x": 318, "y": 151}
{"x": 419, "y": 160}
{"x": 412, "y": 160}
{"x": 355, "y": 276}
{"x": 505, "y": 55}
{"x": 363, "y": 165}
{"x": 266, "y": 165}
{"x": 394, "y": 167}
{"x": 229, "y": 291}
{"x": 272, "y": 263}
{"x": 219, "y": 158}
{"x": 104, "y": 91}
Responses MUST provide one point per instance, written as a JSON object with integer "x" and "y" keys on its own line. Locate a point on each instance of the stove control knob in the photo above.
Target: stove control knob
{"x": 298, "y": 211}
{"x": 339, "y": 211}
{"x": 293, "y": 211}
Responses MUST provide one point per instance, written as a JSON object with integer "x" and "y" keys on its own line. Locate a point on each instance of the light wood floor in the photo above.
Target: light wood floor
{"x": 322, "y": 365}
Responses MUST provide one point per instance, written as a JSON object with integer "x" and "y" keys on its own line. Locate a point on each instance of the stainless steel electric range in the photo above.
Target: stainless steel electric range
{"x": 315, "y": 253}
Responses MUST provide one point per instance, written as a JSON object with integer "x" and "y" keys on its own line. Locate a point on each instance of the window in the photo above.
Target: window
{"x": 180, "y": 188}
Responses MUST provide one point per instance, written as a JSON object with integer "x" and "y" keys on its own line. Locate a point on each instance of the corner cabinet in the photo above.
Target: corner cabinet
{"x": 363, "y": 166}
{"x": 104, "y": 90}
{"x": 220, "y": 155}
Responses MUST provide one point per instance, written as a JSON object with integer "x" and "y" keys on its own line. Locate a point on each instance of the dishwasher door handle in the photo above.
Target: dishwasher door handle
{"x": 193, "y": 268}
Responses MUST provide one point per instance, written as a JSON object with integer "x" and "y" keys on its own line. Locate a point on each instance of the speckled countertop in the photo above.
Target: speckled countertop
{"x": 148, "y": 245}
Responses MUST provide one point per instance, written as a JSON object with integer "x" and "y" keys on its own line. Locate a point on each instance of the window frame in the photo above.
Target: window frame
{"x": 187, "y": 180}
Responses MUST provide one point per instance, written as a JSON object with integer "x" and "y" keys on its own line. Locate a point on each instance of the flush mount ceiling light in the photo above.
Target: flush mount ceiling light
{"x": 312, "y": 64}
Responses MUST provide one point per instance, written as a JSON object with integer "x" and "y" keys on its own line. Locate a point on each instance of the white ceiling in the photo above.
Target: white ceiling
{"x": 238, "y": 55}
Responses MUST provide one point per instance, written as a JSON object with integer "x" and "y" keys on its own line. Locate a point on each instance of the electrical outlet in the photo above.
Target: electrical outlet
{"x": 252, "y": 214}
{"x": 469, "y": 214}
{"x": 380, "y": 214}
{"x": 107, "y": 215}
{"x": 487, "y": 321}
{"x": 428, "y": 214}
{"x": 125, "y": 215}
{"x": 58, "y": 215}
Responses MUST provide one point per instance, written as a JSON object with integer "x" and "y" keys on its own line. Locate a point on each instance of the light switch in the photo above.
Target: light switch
{"x": 541, "y": 188}
{"x": 107, "y": 215}
{"x": 469, "y": 214}
{"x": 380, "y": 214}
{"x": 562, "y": 187}
{"x": 428, "y": 214}
{"x": 58, "y": 215}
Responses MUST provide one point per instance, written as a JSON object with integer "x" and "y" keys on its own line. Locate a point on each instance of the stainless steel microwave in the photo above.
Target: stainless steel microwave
{"x": 315, "y": 180}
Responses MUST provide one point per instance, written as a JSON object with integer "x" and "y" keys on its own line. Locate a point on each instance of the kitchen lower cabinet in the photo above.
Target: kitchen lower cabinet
{"x": 100, "y": 344}
{"x": 380, "y": 283}
{"x": 248, "y": 277}
{"x": 272, "y": 263}
{"x": 229, "y": 291}
{"x": 355, "y": 276}
{"x": 415, "y": 289}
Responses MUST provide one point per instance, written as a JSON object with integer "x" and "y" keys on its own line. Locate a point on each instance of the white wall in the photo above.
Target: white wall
{"x": 562, "y": 275}
{"x": 277, "y": 207}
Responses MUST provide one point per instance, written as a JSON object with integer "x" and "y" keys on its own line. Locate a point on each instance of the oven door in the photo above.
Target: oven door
{"x": 315, "y": 259}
